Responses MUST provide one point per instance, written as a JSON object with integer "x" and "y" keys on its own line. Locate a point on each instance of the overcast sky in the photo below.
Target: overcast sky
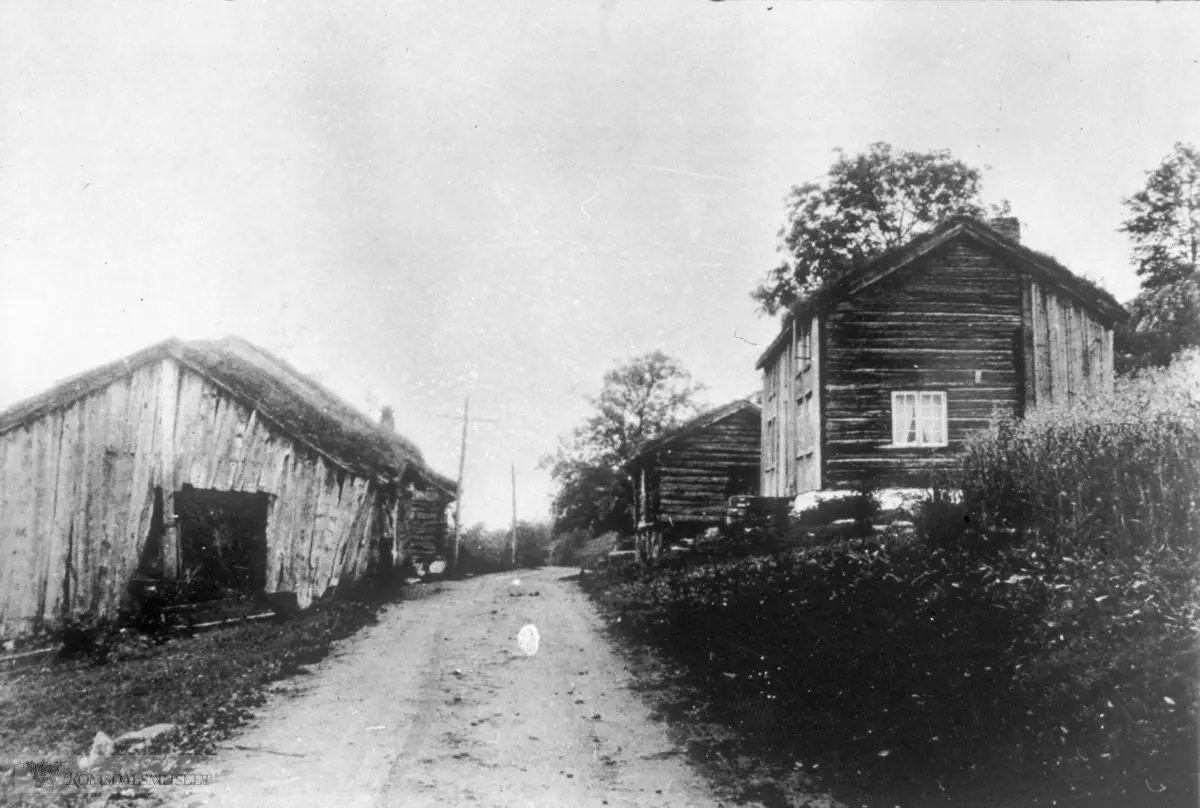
{"x": 417, "y": 201}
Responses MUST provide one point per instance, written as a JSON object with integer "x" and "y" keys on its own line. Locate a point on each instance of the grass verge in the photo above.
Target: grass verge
{"x": 208, "y": 685}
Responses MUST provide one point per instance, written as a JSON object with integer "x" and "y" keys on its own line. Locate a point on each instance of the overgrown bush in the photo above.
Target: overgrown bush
{"x": 1120, "y": 472}
{"x": 565, "y": 552}
{"x": 482, "y": 550}
{"x": 595, "y": 551}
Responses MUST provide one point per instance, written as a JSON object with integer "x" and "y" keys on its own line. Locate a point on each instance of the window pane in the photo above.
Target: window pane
{"x": 932, "y": 412}
{"x": 904, "y": 419}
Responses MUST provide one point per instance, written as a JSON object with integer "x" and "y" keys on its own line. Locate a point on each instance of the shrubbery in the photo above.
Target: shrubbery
{"x": 579, "y": 549}
{"x": 1120, "y": 472}
{"x": 1047, "y": 617}
{"x": 483, "y": 551}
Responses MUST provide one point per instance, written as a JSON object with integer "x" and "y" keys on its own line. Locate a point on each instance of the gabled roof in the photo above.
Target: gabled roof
{"x": 1043, "y": 267}
{"x": 701, "y": 421}
{"x": 298, "y": 405}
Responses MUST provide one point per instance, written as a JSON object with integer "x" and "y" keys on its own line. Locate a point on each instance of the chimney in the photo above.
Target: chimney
{"x": 1007, "y": 226}
{"x": 387, "y": 419}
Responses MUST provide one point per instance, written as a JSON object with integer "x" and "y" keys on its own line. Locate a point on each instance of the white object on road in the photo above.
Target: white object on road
{"x": 528, "y": 639}
{"x": 516, "y": 581}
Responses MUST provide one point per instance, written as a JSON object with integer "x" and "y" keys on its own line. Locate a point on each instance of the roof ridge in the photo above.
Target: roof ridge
{"x": 1092, "y": 294}
{"x": 703, "y": 419}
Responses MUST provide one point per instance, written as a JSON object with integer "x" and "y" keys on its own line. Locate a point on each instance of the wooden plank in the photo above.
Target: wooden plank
{"x": 51, "y": 529}
{"x": 324, "y": 532}
{"x": 121, "y": 512}
{"x": 145, "y": 454}
{"x": 357, "y": 558}
{"x": 19, "y": 546}
{"x": 65, "y": 508}
{"x": 1028, "y": 380}
{"x": 1053, "y": 342}
{"x": 279, "y": 519}
{"x": 92, "y": 542}
{"x": 307, "y": 524}
{"x": 168, "y": 476}
{"x": 77, "y": 517}
{"x": 1041, "y": 340}
{"x": 245, "y": 455}
{"x": 268, "y": 460}
{"x": 41, "y": 480}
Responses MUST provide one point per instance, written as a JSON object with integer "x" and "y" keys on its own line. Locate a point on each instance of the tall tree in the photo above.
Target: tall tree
{"x": 1164, "y": 226}
{"x": 865, "y": 205}
{"x": 637, "y": 401}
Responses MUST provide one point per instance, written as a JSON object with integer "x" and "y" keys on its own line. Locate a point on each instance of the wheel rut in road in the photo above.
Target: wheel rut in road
{"x": 437, "y": 704}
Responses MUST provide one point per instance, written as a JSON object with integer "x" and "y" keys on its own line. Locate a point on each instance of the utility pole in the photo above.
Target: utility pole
{"x": 514, "y": 493}
{"x": 462, "y": 462}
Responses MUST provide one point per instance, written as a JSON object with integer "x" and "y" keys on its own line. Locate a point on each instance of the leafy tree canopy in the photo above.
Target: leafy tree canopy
{"x": 1164, "y": 226}
{"x": 866, "y": 204}
{"x": 637, "y": 401}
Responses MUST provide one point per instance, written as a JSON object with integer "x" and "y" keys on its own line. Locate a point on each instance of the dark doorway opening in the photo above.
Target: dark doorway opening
{"x": 222, "y": 542}
{"x": 743, "y": 481}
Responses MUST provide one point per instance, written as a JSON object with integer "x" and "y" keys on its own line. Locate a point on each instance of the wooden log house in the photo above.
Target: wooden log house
{"x": 209, "y": 461}
{"x": 684, "y": 478}
{"x": 878, "y": 378}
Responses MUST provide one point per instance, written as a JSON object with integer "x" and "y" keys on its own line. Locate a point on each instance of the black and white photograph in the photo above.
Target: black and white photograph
{"x": 631, "y": 403}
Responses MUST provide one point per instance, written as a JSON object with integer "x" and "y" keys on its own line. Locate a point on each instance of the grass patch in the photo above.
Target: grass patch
{"x": 207, "y": 684}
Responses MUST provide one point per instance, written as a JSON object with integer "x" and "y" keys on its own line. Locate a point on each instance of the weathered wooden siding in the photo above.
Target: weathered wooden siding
{"x": 805, "y": 402}
{"x": 693, "y": 474}
{"x": 951, "y": 322}
{"x": 77, "y": 491}
{"x": 319, "y": 514}
{"x": 76, "y": 499}
{"x": 1071, "y": 348}
{"x": 775, "y": 412}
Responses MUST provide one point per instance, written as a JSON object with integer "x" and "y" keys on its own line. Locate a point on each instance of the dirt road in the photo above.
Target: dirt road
{"x": 438, "y": 705}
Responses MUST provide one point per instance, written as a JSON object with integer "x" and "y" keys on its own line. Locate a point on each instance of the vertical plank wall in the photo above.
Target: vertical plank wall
{"x": 1072, "y": 349}
{"x": 76, "y": 498}
{"x": 77, "y": 494}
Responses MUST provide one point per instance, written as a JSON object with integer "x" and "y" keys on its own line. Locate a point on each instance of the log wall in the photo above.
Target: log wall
{"x": 949, "y": 322}
{"x": 961, "y": 320}
{"x": 77, "y": 495}
{"x": 691, "y": 479}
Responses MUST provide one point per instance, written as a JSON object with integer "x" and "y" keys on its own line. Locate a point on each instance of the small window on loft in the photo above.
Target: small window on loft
{"x": 919, "y": 418}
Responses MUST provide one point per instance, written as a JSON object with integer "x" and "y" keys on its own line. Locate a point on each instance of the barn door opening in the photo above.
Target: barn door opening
{"x": 222, "y": 542}
{"x": 743, "y": 481}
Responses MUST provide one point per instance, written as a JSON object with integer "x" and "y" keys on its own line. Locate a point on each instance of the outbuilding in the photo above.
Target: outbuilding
{"x": 683, "y": 479}
{"x": 208, "y": 464}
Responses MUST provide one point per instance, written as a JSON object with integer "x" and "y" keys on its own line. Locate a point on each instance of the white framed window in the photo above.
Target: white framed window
{"x": 919, "y": 418}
